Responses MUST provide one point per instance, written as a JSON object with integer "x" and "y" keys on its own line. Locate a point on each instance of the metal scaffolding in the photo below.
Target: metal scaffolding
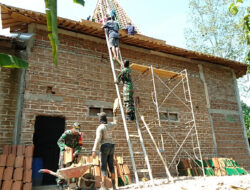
{"x": 164, "y": 130}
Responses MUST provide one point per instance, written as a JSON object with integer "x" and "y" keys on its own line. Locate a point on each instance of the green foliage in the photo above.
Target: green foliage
{"x": 234, "y": 9}
{"x": 12, "y": 61}
{"x": 51, "y": 14}
{"x": 81, "y": 2}
{"x": 214, "y": 31}
{"x": 246, "y": 115}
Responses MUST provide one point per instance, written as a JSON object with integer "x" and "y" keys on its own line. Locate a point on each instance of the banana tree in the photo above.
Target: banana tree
{"x": 10, "y": 61}
{"x": 51, "y": 14}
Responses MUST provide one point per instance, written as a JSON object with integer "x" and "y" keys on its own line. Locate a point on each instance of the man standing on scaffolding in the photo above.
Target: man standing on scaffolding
{"x": 128, "y": 91}
{"x": 113, "y": 36}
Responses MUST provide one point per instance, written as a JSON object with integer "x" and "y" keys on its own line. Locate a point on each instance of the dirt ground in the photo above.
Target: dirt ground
{"x": 197, "y": 183}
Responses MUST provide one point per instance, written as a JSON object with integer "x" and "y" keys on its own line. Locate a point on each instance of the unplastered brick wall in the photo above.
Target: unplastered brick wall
{"x": 225, "y": 115}
{"x": 8, "y": 97}
{"x": 84, "y": 75}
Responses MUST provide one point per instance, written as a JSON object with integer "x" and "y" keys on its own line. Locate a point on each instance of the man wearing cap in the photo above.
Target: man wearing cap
{"x": 104, "y": 138}
{"x": 70, "y": 139}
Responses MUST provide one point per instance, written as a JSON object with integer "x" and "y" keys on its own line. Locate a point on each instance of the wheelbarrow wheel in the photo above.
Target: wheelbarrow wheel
{"x": 87, "y": 185}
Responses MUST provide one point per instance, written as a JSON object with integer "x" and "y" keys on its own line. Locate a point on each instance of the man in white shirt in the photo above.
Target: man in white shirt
{"x": 104, "y": 138}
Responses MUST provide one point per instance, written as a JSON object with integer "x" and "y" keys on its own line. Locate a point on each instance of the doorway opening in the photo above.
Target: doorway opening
{"x": 47, "y": 131}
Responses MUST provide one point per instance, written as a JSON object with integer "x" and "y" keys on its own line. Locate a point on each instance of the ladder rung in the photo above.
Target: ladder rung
{"x": 142, "y": 170}
{"x": 138, "y": 153}
{"x": 134, "y": 136}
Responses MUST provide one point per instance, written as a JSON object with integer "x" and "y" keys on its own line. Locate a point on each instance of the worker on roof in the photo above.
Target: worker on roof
{"x": 104, "y": 138}
{"x": 128, "y": 99}
{"x": 130, "y": 28}
{"x": 113, "y": 36}
{"x": 113, "y": 14}
{"x": 70, "y": 140}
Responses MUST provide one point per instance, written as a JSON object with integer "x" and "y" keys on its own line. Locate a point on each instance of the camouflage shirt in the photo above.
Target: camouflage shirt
{"x": 71, "y": 140}
{"x": 125, "y": 76}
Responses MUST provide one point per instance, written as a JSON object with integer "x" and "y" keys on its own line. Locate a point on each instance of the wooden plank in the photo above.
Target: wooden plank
{"x": 21, "y": 17}
{"x": 19, "y": 28}
{"x": 160, "y": 72}
{"x": 9, "y": 21}
{"x": 5, "y": 15}
{"x": 4, "y": 9}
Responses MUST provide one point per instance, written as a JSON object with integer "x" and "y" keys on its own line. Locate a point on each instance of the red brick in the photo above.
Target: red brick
{"x": 11, "y": 160}
{"x": 98, "y": 181}
{"x": 29, "y": 150}
{"x": 19, "y": 161}
{"x": 20, "y": 150}
{"x": 97, "y": 171}
{"x": 28, "y": 163}
{"x": 18, "y": 174}
{"x": 17, "y": 185}
{"x": 27, "y": 176}
{"x": 27, "y": 186}
{"x": 6, "y": 149}
{"x": 126, "y": 169}
{"x": 108, "y": 182}
{"x": 1, "y": 173}
{"x": 7, "y": 185}
{"x": 13, "y": 149}
{"x": 8, "y": 172}
{"x": 3, "y": 159}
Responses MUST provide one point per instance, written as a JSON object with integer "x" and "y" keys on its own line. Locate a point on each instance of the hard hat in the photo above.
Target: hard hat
{"x": 76, "y": 125}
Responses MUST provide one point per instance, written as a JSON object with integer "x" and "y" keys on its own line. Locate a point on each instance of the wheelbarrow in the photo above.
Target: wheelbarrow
{"x": 85, "y": 181}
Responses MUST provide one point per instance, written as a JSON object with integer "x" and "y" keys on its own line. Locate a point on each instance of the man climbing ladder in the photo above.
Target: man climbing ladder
{"x": 139, "y": 136}
{"x": 128, "y": 91}
{"x": 113, "y": 37}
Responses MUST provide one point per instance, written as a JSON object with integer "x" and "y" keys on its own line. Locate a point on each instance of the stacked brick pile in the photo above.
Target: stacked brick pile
{"x": 212, "y": 167}
{"x": 16, "y": 167}
{"x": 122, "y": 173}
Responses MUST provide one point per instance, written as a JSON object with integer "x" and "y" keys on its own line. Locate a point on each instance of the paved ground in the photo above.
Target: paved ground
{"x": 188, "y": 183}
{"x": 199, "y": 183}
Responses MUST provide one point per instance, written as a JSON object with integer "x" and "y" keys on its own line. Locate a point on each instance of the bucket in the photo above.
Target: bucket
{"x": 37, "y": 178}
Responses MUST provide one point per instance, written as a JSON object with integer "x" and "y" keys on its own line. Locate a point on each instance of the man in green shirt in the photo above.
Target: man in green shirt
{"x": 70, "y": 139}
{"x": 128, "y": 91}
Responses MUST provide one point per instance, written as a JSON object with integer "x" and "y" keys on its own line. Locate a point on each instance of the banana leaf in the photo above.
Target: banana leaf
{"x": 12, "y": 61}
{"x": 81, "y": 2}
{"x": 51, "y": 14}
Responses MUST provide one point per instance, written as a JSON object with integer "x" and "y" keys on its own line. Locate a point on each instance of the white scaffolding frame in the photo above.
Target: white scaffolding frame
{"x": 190, "y": 124}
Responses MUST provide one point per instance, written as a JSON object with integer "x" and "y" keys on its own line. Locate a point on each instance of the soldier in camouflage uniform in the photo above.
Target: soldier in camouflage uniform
{"x": 70, "y": 139}
{"x": 128, "y": 99}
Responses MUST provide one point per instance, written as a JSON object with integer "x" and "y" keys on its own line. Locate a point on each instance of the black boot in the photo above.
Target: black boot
{"x": 132, "y": 116}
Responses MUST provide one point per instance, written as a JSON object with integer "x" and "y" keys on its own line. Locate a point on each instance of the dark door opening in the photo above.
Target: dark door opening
{"x": 47, "y": 131}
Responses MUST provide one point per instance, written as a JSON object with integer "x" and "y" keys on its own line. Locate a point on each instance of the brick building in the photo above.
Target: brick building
{"x": 82, "y": 85}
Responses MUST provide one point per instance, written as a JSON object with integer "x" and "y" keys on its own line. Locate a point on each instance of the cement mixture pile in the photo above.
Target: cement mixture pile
{"x": 197, "y": 183}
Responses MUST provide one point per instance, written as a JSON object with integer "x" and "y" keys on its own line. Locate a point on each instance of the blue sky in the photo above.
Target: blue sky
{"x": 162, "y": 19}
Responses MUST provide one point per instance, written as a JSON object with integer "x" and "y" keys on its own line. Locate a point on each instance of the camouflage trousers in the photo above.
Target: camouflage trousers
{"x": 128, "y": 98}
